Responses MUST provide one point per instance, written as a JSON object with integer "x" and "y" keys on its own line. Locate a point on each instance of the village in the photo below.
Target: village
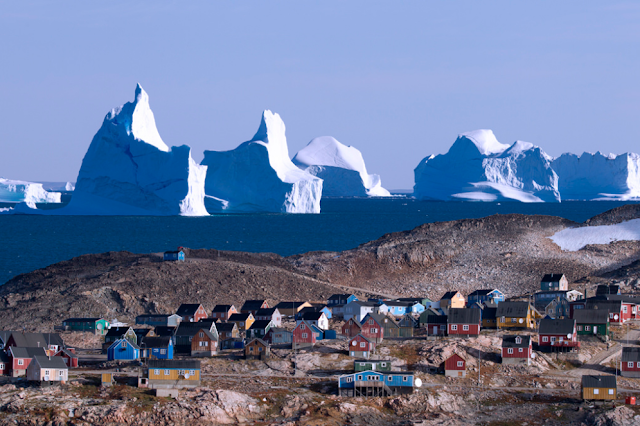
{"x": 556, "y": 342}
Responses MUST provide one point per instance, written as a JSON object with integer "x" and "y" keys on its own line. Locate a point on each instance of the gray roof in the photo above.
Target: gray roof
{"x": 464, "y": 316}
{"x": 252, "y": 305}
{"x": 613, "y": 306}
{"x": 163, "y": 330}
{"x": 513, "y": 309}
{"x": 226, "y": 327}
{"x": 599, "y": 382}
{"x": 489, "y": 313}
{"x": 188, "y": 309}
{"x": 382, "y": 320}
{"x": 173, "y": 363}
{"x": 155, "y": 342}
{"x": 256, "y": 339}
{"x": 239, "y": 317}
{"x": 279, "y": 330}
{"x": 557, "y": 326}
{"x": 591, "y": 316}
{"x": 448, "y": 295}
{"x": 82, "y": 319}
{"x": 551, "y": 278}
{"x": 222, "y": 308}
{"x": 34, "y": 340}
{"x": 51, "y": 362}
{"x": 19, "y": 352}
{"x": 260, "y": 325}
{"x": 509, "y": 341}
{"x": 267, "y": 312}
{"x": 312, "y": 316}
{"x": 630, "y": 354}
{"x": 483, "y": 292}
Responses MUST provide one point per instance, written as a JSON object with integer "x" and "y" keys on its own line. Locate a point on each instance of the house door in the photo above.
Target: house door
{"x": 595, "y": 329}
{"x": 435, "y": 329}
{"x": 553, "y": 339}
{"x": 459, "y": 373}
{"x": 46, "y": 378}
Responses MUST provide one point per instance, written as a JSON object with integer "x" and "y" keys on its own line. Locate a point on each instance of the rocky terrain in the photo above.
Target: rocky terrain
{"x": 510, "y": 252}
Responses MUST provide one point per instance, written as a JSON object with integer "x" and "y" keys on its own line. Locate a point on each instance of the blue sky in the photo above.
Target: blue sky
{"x": 397, "y": 80}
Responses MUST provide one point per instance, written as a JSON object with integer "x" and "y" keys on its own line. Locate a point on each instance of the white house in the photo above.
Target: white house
{"x": 317, "y": 318}
{"x": 47, "y": 369}
{"x": 358, "y": 309}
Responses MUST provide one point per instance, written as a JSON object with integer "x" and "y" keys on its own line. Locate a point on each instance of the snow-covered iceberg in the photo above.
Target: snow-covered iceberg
{"x": 341, "y": 168}
{"x": 479, "y": 168}
{"x": 598, "y": 176}
{"x": 128, "y": 170}
{"x": 259, "y": 176}
{"x": 17, "y": 191}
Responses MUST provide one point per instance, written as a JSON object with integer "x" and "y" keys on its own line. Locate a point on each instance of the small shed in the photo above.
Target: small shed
{"x": 371, "y": 365}
{"x": 107, "y": 379}
{"x": 599, "y": 388}
{"x": 455, "y": 366}
{"x": 257, "y": 349}
{"x": 177, "y": 255}
{"x": 630, "y": 363}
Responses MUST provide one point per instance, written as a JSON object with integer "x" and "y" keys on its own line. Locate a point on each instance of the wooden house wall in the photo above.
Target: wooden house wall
{"x": 451, "y": 363}
{"x": 588, "y": 393}
{"x": 159, "y": 374}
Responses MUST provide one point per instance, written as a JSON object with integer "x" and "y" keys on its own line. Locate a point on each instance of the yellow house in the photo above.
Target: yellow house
{"x": 292, "y": 308}
{"x": 170, "y": 374}
{"x": 453, "y": 299}
{"x": 244, "y": 321}
{"x": 517, "y": 315}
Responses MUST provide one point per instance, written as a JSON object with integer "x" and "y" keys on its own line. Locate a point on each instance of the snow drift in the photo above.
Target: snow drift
{"x": 598, "y": 177}
{"x": 341, "y": 168}
{"x": 128, "y": 170}
{"x": 17, "y": 191}
{"x": 573, "y": 239}
{"x": 479, "y": 168}
{"x": 259, "y": 175}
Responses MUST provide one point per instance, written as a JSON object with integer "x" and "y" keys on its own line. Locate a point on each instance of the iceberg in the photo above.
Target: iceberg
{"x": 17, "y": 191}
{"x": 59, "y": 186}
{"x": 129, "y": 170}
{"x": 259, "y": 175}
{"x": 598, "y": 176}
{"x": 341, "y": 168}
{"x": 479, "y": 168}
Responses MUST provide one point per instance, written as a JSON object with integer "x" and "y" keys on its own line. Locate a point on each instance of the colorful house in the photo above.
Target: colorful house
{"x": 259, "y": 329}
{"x": 361, "y": 347}
{"x": 117, "y": 333}
{"x": 341, "y": 299}
{"x": 351, "y": 328}
{"x": 517, "y": 349}
{"x": 376, "y": 384}
{"x": 253, "y": 306}
{"x": 463, "y": 321}
{"x": 489, "y": 317}
{"x": 175, "y": 256}
{"x": 452, "y": 299}
{"x": 599, "y": 388}
{"x": 269, "y": 314}
{"x": 371, "y": 365}
{"x": 317, "y": 318}
{"x": 156, "y": 320}
{"x": 554, "y": 282}
{"x": 516, "y": 315}
{"x": 124, "y": 350}
{"x": 21, "y": 358}
{"x": 223, "y": 312}
{"x": 91, "y": 325}
{"x": 630, "y": 362}
{"x": 304, "y": 336}
{"x": 614, "y": 307}
{"x": 156, "y": 347}
{"x": 51, "y": 342}
{"x": 455, "y": 366}
{"x": 69, "y": 357}
{"x": 494, "y": 296}
{"x": 290, "y": 309}
{"x": 373, "y": 327}
{"x": 257, "y": 349}
{"x": 359, "y": 309}
{"x": 47, "y": 369}
{"x": 172, "y": 374}
{"x": 244, "y": 321}
{"x": 278, "y": 336}
{"x": 191, "y": 312}
{"x": 407, "y": 325}
{"x": 204, "y": 343}
{"x": 187, "y": 330}
{"x": 558, "y": 333}
{"x": 434, "y": 322}
{"x": 592, "y": 321}
{"x": 228, "y": 330}
{"x": 5, "y": 364}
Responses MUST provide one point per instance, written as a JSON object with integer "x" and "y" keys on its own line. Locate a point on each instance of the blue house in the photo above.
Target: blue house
{"x": 157, "y": 347}
{"x": 123, "y": 349}
{"x": 485, "y": 296}
{"x": 376, "y": 383}
{"x": 174, "y": 255}
{"x": 341, "y": 299}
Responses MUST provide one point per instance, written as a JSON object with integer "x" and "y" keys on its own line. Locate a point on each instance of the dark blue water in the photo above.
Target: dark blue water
{"x": 32, "y": 242}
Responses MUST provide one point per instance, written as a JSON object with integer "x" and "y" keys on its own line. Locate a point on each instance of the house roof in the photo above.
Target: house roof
{"x": 166, "y": 316}
{"x": 289, "y": 305}
{"x": 279, "y": 330}
{"x": 21, "y": 352}
{"x": 483, "y": 292}
{"x": 354, "y": 321}
{"x": 312, "y": 316}
{"x": 252, "y": 305}
{"x": 614, "y": 306}
{"x": 591, "y": 316}
{"x": 119, "y": 341}
{"x": 164, "y": 330}
{"x": 51, "y": 362}
{"x": 226, "y": 327}
{"x": 449, "y": 295}
{"x": 66, "y": 352}
{"x": 382, "y": 320}
{"x": 361, "y": 337}
{"x": 188, "y": 309}
{"x": 434, "y": 318}
{"x": 365, "y": 303}
{"x": 239, "y": 317}
{"x": 222, "y": 308}
{"x": 551, "y": 278}
{"x": 399, "y": 303}
{"x": 340, "y": 296}
{"x": 413, "y": 299}
{"x": 173, "y": 363}
{"x": 464, "y": 316}
{"x": 82, "y": 319}
{"x": 630, "y": 354}
{"x": 513, "y": 309}
{"x": 258, "y": 340}
{"x": 191, "y": 328}
{"x": 509, "y": 341}
{"x": 599, "y": 381}
{"x": 557, "y": 326}
{"x": 35, "y": 340}
{"x": 489, "y": 313}
{"x": 260, "y": 324}
{"x": 207, "y": 333}
{"x": 155, "y": 342}
{"x": 118, "y": 331}
{"x": 267, "y": 312}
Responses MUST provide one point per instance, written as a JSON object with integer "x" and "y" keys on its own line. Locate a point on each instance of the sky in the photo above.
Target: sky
{"x": 397, "y": 80}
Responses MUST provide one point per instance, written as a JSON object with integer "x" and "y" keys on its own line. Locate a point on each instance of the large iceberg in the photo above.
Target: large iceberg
{"x": 128, "y": 170}
{"x": 598, "y": 177}
{"x": 17, "y": 191}
{"x": 59, "y": 186}
{"x": 479, "y": 168}
{"x": 341, "y": 168}
{"x": 259, "y": 176}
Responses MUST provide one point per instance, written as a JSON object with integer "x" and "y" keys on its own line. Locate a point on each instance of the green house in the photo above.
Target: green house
{"x": 91, "y": 325}
{"x": 371, "y": 365}
{"x": 592, "y": 321}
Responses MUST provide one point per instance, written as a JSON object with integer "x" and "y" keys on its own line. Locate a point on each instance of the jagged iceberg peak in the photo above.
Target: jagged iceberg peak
{"x": 136, "y": 118}
{"x": 479, "y": 168}
{"x": 341, "y": 167}
{"x": 18, "y": 191}
{"x": 259, "y": 175}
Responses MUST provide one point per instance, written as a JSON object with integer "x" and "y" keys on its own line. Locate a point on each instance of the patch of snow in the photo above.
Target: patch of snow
{"x": 341, "y": 167}
{"x": 17, "y": 191}
{"x": 573, "y": 239}
{"x": 259, "y": 175}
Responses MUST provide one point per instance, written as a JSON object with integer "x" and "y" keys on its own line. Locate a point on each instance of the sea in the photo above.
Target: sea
{"x": 31, "y": 242}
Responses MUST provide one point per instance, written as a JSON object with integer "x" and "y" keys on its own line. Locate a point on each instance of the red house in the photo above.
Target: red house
{"x": 464, "y": 321}
{"x": 455, "y": 366}
{"x": 223, "y": 312}
{"x": 373, "y": 327}
{"x": 303, "y": 336}
{"x": 351, "y": 328}
{"x": 558, "y": 333}
{"x": 361, "y": 347}
{"x": 191, "y": 312}
{"x": 630, "y": 362}
{"x": 21, "y": 357}
{"x": 517, "y": 350}
{"x": 69, "y": 356}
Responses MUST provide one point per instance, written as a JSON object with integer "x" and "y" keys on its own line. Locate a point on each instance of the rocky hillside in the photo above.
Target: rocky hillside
{"x": 510, "y": 252}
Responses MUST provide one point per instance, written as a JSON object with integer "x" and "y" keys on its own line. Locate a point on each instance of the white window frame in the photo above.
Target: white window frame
{"x": 465, "y": 328}
{"x": 460, "y": 363}
{"x": 545, "y": 339}
{"x": 610, "y": 391}
{"x": 20, "y": 362}
{"x": 596, "y": 391}
{"x": 163, "y": 351}
{"x": 454, "y": 327}
{"x": 363, "y": 344}
{"x": 305, "y": 335}
{"x": 509, "y": 350}
{"x": 156, "y": 372}
{"x": 348, "y": 379}
{"x": 520, "y": 350}
{"x": 167, "y": 372}
{"x": 630, "y": 364}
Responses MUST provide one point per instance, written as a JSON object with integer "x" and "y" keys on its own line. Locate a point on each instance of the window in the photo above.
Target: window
{"x": 587, "y": 328}
{"x": 123, "y": 344}
{"x": 630, "y": 364}
{"x": 514, "y": 320}
{"x": 302, "y": 327}
{"x": 518, "y": 340}
{"x": 156, "y": 372}
{"x": 201, "y": 334}
{"x": 611, "y": 315}
{"x": 374, "y": 330}
{"x": 510, "y": 350}
{"x": 163, "y": 351}
{"x": 192, "y": 372}
{"x": 545, "y": 338}
{"x": 46, "y": 372}
{"x": 596, "y": 391}
{"x": 359, "y": 376}
{"x": 465, "y": 328}
{"x": 454, "y": 327}
{"x": 637, "y": 366}
{"x": 579, "y": 328}
{"x": 363, "y": 345}
{"x": 203, "y": 344}
{"x": 304, "y": 335}
{"x": 373, "y": 378}
{"x": 624, "y": 309}
{"x": 362, "y": 364}
{"x": 166, "y": 372}
{"x": 389, "y": 378}
{"x": 1, "y": 366}
{"x": 61, "y": 373}
{"x": 405, "y": 378}
{"x": 20, "y": 362}
{"x": 371, "y": 322}
{"x": 502, "y": 319}
{"x": 460, "y": 363}
{"x": 610, "y": 391}
{"x": 519, "y": 349}
{"x": 348, "y": 379}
